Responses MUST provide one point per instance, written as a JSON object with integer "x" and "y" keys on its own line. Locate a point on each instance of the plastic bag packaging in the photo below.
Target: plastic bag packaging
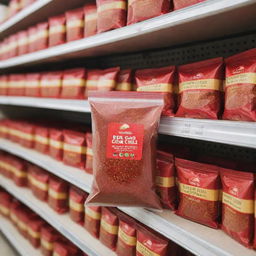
{"x": 124, "y": 134}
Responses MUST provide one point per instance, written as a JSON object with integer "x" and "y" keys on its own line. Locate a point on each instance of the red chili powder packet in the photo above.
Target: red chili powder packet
{"x": 75, "y": 24}
{"x": 34, "y": 227}
{"x": 139, "y": 10}
{"x": 4, "y": 128}
{"x": 238, "y": 205}
{"x": 108, "y": 79}
{"x": 39, "y": 180}
{"x": 32, "y": 84}
{"x": 27, "y": 131}
{"x": 124, "y": 80}
{"x": 158, "y": 80}
{"x": 74, "y": 148}
{"x": 56, "y": 139}
{"x": 3, "y": 85}
{"x": 90, "y": 20}
{"x": 89, "y": 153}
{"x": 41, "y": 138}
{"x": 22, "y": 39}
{"x": 128, "y": 123}
{"x": 111, "y": 14}
{"x": 19, "y": 171}
{"x": 58, "y": 194}
{"x": 240, "y": 87}
{"x": 165, "y": 180}
{"x": 92, "y": 220}
{"x": 150, "y": 243}
{"x": 199, "y": 192}
{"x": 13, "y": 46}
{"x": 3, "y": 164}
{"x": 200, "y": 86}
{"x": 57, "y": 30}
{"x": 14, "y": 207}
{"x": 73, "y": 83}
{"x": 48, "y": 236}
{"x": 5, "y": 203}
{"x": 32, "y": 34}
{"x": 76, "y": 204}
{"x": 65, "y": 248}
{"x": 16, "y": 86}
{"x": 109, "y": 227}
{"x": 127, "y": 237}
{"x": 24, "y": 214}
{"x": 179, "y": 4}
{"x": 42, "y": 36}
{"x": 92, "y": 81}
{"x": 51, "y": 84}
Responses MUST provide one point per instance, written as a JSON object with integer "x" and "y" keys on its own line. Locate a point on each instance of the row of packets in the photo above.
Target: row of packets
{"x": 204, "y": 89}
{"x": 35, "y": 229}
{"x": 113, "y": 228}
{"x": 89, "y": 20}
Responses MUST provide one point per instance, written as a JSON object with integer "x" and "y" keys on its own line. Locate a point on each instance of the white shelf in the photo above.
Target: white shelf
{"x": 196, "y": 238}
{"x": 227, "y": 132}
{"x": 16, "y": 239}
{"x": 72, "y": 231}
{"x": 223, "y": 17}
{"x": 38, "y": 11}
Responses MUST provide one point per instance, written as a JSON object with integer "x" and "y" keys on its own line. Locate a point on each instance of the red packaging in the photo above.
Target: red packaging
{"x": 64, "y": 248}
{"x": 32, "y": 86}
{"x": 89, "y": 153}
{"x": 16, "y": 85}
{"x": 48, "y": 236}
{"x": 199, "y": 187}
{"x": 179, "y": 4}
{"x": 92, "y": 219}
{"x": 150, "y": 243}
{"x": 13, "y": 131}
{"x": 124, "y": 171}
{"x": 127, "y": 238}
{"x": 108, "y": 79}
{"x": 14, "y": 208}
{"x": 165, "y": 180}
{"x": 41, "y": 138}
{"x": 22, "y": 38}
{"x": 13, "y": 46}
{"x": 27, "y": 131}
{"x": 34, "y": 228}
{"x": 58, "y": 194}
{"x": 90, "y": 20}
{"x": 51, "y": 84}
{"x": 32, "y": 37}
{"x": 42, "y": 37}
{"x": 200, "y": 88}
{"x": 240, "y": 97}
{"x": 3, "y": 85}
{"x": 238, "y": 205}
{"x": 19, "y": 172}
{"x": 139, "y": 10}
{"x": 124, "y": 81}
{"x": 57, "y": 30}
{"x": 159, "y": 80}
{"x": 56, "y": 143}
{"x": 111, "y": 14}
{"x": 4, "y": 128}
{"x": 75, "y": 24}
{"x": 24, "y": 214}
{"x": 74, "y": 149}
{"x": 5, "y": 203}
{"x": 73, "y": 83}
{"x": 76, "y": 204}
{"x": 92, "y": 81}
{"x": 254, "y": 241}
{"x": 109, "y": 227}
{"x": 5, "y": 165}
{"x": 39, "y": 179}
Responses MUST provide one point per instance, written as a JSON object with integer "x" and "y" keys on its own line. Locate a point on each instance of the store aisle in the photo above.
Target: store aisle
{"x": 6, "y": 248}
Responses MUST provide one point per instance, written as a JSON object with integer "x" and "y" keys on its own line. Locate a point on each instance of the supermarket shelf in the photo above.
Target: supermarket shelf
{"x": 196, "y": 238}
{"x": 36, "y": 12}
{"x": 74, "y": 232}
{"x": 16, "y": 239}
{"x": 227, "y": 132}
{"x": 223, "y": 18}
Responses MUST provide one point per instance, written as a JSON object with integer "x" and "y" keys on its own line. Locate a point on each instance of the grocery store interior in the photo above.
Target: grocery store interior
{"x": 127, "y": 127}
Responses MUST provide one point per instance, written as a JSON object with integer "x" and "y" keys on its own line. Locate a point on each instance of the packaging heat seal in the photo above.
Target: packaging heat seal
{"x": 125, "y": 126}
